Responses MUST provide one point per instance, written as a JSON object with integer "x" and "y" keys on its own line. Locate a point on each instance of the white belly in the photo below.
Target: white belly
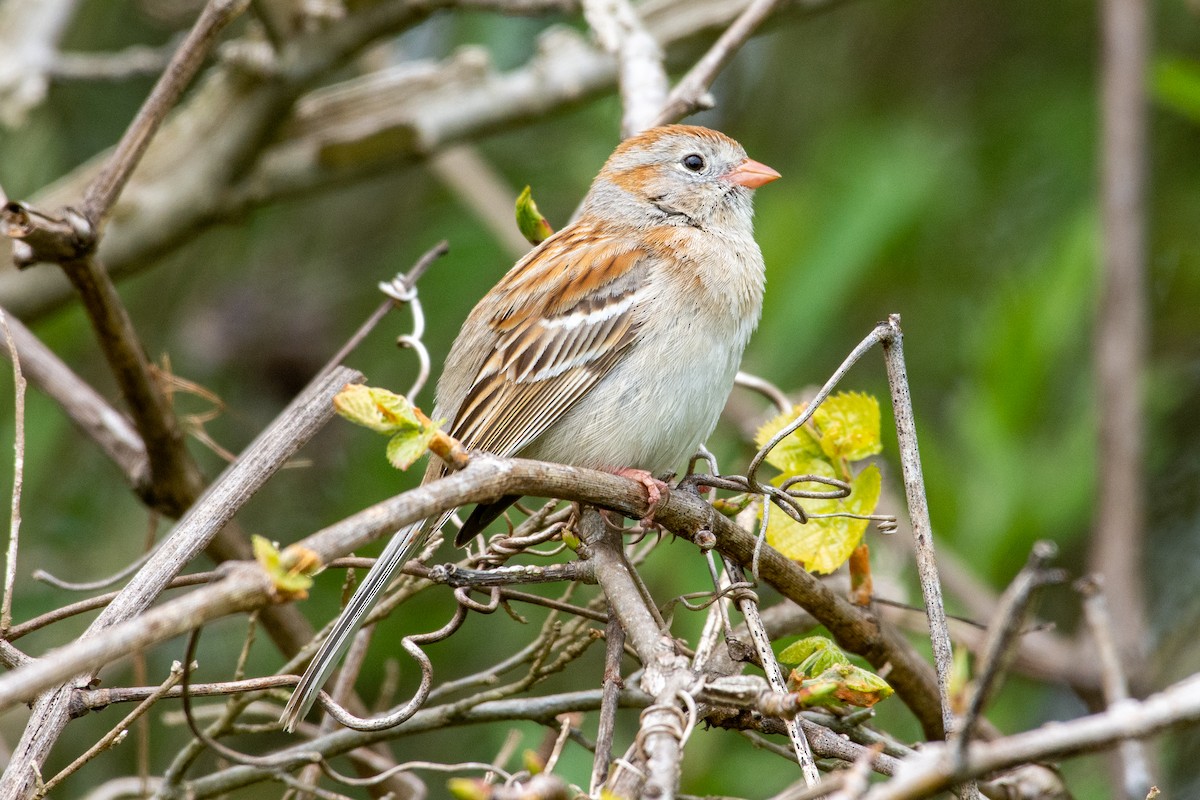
{"x": 653, "y": 410}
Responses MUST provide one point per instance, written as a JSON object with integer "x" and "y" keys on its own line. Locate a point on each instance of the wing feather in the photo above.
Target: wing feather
{"x": 549, "y": 354}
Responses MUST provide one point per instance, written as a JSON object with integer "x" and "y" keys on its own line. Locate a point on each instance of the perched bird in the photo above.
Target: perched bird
{"x": 612, "y": 345}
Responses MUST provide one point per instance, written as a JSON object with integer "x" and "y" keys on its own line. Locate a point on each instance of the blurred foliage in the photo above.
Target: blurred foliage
{"x": 939, "y": 161}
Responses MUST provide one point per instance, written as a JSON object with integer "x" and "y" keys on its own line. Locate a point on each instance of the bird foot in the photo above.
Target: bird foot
{"x": 657, "y": 492}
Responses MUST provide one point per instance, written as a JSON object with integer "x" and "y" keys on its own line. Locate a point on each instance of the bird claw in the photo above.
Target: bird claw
{"x": 657, "y": 492}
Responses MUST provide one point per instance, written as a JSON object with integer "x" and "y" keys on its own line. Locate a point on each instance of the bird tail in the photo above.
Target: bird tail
{"x": 401, "y": 546}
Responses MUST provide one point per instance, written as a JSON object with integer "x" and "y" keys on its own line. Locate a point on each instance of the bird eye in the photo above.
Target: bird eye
{"x": 693, "y": 162}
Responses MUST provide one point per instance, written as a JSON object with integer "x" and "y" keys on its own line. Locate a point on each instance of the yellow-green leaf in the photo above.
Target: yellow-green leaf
{"x": 859, "y": 687}
{"x": 797, "y": 448}
{"x": 534, "y": 764}
{"x": 377, "y": 409}
{"x": 843, "y": 684}
{"x": 822, "y": 545}
{"x": 408, "y": 445}
{"x": 530, "y": 222}
{"x": 812, "y": 655}
{"x": 469, "y": 788}
{"x": 292, "y": 570}
{"x": 849, "y": 426}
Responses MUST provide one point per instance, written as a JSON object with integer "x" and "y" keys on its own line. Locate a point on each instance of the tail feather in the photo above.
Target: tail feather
{"x": 397, "y": 552}
{"x": 483, "y": 515}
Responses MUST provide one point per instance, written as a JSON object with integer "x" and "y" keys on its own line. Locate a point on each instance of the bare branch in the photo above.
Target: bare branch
{"x": 185, "y": 186}
{"x": 246, "y": 587}
{"x": 174, "y": 479}
{"x": 614, "y": 643}
{"x": 1135, "y": 766}
{"x": 641, "y": 75}
{"x": 666, "y": 675}
{"x": 918, "y": 510}
{"x": 29, "y": 35}
{"x": 118, "y": 732}
{"x": 1120, "y": 337}
{"x": 691, "y": 93}
{"x": 103, "y": 191}
{"x": 747, "y": 603}
{"x": 93, "y": 603}
{"x": 1007, "y": 623}
{"x": 14, "y": 526}
{"x": 83, "y": 405}
{"x": 934, "y": 767}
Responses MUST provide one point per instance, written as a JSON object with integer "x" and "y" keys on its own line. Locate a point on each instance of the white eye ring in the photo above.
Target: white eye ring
{"x": 693, "y": 162}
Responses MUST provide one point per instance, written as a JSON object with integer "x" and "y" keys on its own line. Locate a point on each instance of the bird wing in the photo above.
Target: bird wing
{"x": 561, "y": 319}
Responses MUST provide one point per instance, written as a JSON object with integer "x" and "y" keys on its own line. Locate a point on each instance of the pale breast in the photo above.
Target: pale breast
{"x": 663, "y": 400}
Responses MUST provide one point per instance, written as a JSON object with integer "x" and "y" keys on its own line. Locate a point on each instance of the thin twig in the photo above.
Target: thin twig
{"x": 82, "y": 404}
{"x": 408, "y": 279}
{"x": 100, "y": 601}
{"x": 614, "y": 644}
{"x": 918, "y": 511}
{"x": 1007, "y": 624}
{"x": 747, "y": 603}
{"x": 93, "y": 699}
{"x": 124, "y": 572}
{"x": 14, "y": 527}
{"x": 1121, "y": 330}
{"x": 106, "y": 187}
{"x": 999, "y": 647}
{"x": 1136, "y": 778}
{"x": 764, "y": 387}
{"x": 691, "y": 93}
{"x": 111, "y": 738}
{"x": 175, "y": 480}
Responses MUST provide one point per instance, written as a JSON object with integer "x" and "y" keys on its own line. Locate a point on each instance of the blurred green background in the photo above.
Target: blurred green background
{"x": 939, "y": 161}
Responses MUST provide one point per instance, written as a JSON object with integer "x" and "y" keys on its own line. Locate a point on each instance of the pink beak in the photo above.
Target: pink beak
{"x": 751, "y": 174}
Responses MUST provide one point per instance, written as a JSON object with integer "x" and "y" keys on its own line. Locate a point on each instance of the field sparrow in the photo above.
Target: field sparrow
{"x": 612, "y": 345}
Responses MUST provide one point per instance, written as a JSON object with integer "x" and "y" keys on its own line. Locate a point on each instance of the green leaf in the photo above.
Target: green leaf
{"x": 390, "y": 414}
{"x": 849, "y": 426}
{"x": 408, "y": 445}
{"x": 530, "y": 222}
{"x": 292, "y": 570}
{"x": 377, "y": 409}
{"x": 824, "y": 544}
{"x": 845, "y": 684}
{"x": 812, "y": 655}
{"x": 792, "y": 455}
{"x": 826, "y": 676}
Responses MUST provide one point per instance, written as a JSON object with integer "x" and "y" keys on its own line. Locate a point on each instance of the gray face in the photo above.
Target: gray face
{"x": 679, "y": 179}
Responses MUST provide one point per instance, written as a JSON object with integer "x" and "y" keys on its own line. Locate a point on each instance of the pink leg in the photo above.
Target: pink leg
{"x": 656, "y": 491}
